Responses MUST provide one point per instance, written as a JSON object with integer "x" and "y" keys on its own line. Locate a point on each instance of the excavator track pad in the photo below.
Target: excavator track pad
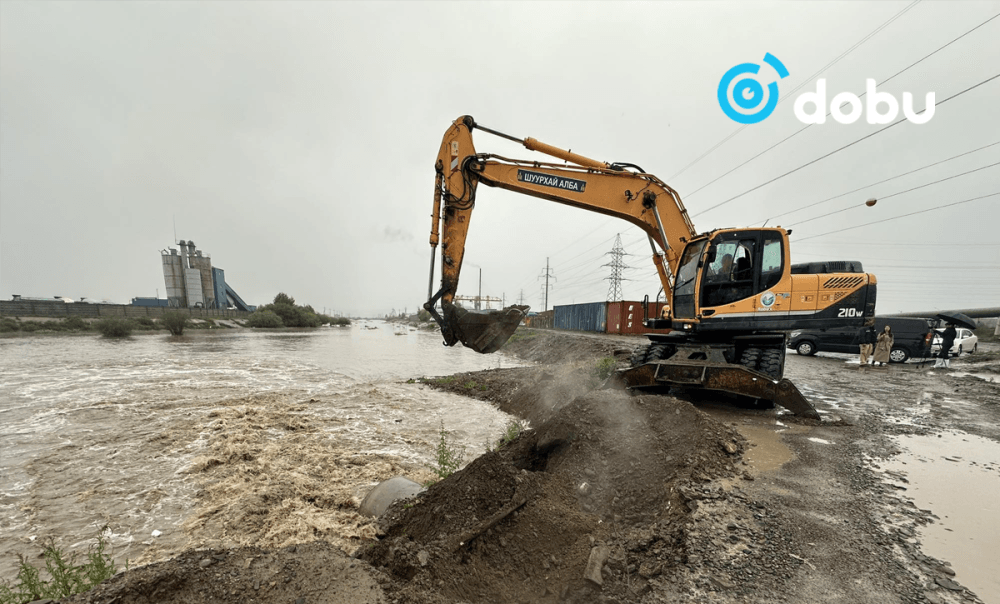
{"x": 725, "y": 377}
{"x": 483, "y": 331}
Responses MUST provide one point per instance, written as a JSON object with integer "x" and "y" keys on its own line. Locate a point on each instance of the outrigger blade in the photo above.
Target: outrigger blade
{"x": 483, "y": 331}
{"x": 724, "y": 377}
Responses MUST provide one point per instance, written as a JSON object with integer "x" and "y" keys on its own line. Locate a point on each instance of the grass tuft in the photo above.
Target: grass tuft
{"x": 65, "y": 576}
{"x": 605, "y": 367}
{"x": 448, "y": 456}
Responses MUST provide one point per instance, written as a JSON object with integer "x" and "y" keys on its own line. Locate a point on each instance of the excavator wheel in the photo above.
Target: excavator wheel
{"x": 750, "y": 358}
{"x": 770, "y": 362}
{"x": 659, "y": 351}
{"x": 765, "y": 361}
{"x": 638, "y": 356}
{"x": 652, "y": 352}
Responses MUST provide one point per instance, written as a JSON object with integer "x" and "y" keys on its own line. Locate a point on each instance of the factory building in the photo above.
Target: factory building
{"x": 192, "y": 281}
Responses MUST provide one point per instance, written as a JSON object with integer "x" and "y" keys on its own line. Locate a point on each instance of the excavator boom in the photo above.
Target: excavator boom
{"x": 617, "y": 190}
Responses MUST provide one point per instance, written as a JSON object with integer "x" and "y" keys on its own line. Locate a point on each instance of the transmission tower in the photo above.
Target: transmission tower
{"x": 617, "y": 265}
{"x": 547, "y": 275}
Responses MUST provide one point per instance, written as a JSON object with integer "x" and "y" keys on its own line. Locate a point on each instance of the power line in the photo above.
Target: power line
{"x": 803, "y": 129}
{"x": 858, "y": 226}
{"x": 884, "y": 197}
{"x": 878, "y": 183}
{"x": 851, "y": 144}
{"x": 804, "y": 82}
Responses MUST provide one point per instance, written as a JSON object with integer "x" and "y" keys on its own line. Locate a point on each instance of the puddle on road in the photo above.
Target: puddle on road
{"x": 769, "y": 452}
{"x": 957, "y": 477}
{"x": 983, "y": 376}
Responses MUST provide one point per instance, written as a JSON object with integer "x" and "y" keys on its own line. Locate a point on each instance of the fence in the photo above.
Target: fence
{"x": 44, "y": 308}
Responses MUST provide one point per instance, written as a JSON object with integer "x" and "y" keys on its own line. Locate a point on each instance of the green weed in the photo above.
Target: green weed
{"x": 605, "y": 367}
{"x": 66, "y": 577}
{"x": 448, "y": 456}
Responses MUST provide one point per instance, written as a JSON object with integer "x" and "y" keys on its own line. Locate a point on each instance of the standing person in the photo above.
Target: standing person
{"x": 866, "y": 339}
{"x": 947, "y": 341}
{"x": 883, "y": 346}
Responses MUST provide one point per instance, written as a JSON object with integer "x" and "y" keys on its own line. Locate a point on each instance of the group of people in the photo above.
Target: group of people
{"x": 875, "y": 347}
{"x": 882, "y": 344}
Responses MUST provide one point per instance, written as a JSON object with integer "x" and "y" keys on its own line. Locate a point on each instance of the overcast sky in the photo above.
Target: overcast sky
{"x": 295, "y": 142}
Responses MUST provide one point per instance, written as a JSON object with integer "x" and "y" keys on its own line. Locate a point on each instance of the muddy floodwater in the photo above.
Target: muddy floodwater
{"x": 179, "y": 442}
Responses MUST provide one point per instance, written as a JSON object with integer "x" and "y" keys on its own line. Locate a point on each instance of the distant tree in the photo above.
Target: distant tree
{"x": 113, "y": 327}
{"x": 284, "y": 298}
{"x": 264, "y": 318}
{"x": 289, "y": 315}
{"x": 174, "y": 321}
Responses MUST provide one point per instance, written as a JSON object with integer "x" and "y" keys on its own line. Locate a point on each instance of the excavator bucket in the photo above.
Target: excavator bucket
{"x": 483, "y": 331}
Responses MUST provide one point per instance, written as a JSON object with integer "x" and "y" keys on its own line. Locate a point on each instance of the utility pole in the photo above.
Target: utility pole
{"x": 547, "y": 275}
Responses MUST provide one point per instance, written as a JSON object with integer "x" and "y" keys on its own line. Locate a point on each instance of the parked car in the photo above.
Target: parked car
{"x": 911, "y": 338}
{"x": 965, "y": 341}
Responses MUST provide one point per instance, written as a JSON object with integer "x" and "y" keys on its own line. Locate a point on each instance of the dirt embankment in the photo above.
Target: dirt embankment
{"x": 608, "y": 476}
{"x": 609, "y": 498}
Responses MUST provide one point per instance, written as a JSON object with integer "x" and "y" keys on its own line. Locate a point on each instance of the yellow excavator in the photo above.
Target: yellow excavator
{"x": 732, "y": 293}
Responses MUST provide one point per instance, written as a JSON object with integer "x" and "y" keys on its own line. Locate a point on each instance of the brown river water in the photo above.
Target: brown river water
{"x": 219, "y": 438}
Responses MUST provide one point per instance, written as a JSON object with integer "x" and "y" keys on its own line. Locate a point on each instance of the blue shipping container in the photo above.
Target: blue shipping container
{"x": 592, "y": 316}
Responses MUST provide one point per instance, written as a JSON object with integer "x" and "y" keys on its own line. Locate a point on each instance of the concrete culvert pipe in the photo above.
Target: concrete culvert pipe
{"x": 378, "y": 500}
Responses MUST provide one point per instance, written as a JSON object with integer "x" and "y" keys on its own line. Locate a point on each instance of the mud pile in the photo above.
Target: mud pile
{"x": 603, "y": 478}
{"x": 312, "y": 572}
{"x": 546, "y": 346}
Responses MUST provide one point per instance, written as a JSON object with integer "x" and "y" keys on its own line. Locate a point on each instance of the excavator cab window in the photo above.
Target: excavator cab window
{"x": 771, "y": 261}
{"x": 731, "y": 276}
{"x": 687, "y": 280}
{"x": 745, "y": 264}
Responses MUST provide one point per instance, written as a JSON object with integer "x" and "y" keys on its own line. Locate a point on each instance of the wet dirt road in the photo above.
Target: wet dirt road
{"x": 932, "y": 435}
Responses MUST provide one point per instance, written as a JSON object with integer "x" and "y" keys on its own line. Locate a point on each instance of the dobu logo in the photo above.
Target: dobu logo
{"x": 747, "y": 93}
{"x": 873, "y": 100}
{"x": 752, "y": 105}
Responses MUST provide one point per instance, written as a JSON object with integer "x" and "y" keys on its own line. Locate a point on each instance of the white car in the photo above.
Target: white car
{"x": 965, "y": 341}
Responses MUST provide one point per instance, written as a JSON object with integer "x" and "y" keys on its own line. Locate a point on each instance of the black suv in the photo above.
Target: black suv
{"x": 911, "y": 338}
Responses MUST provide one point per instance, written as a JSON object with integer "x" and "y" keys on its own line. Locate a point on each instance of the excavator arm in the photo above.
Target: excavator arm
{"x": 620, "y": 190}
